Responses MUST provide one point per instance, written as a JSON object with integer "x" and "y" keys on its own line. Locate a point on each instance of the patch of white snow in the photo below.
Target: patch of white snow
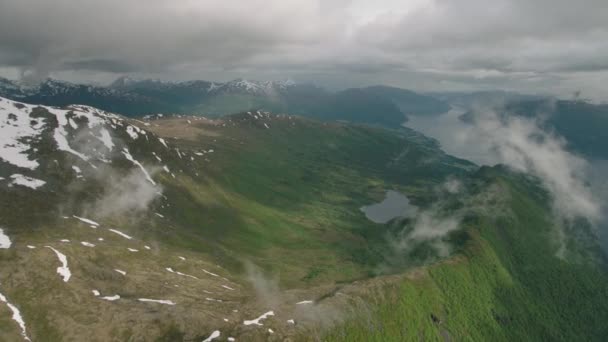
{"x": 16, "y": 317}
{"x": 132, "y": 160}
{"x": 257, "y": 320}
{"x": 86, "y": 220}
{"x": 63, "y": 270}
{"x": 160, "y": 301}
{"x": 5, "y": 242}
{"x": 32, "y": 183}
{"x": 213, "y": 336}
{"x": 111, "y": 298}
{"x": 121, "y": 234}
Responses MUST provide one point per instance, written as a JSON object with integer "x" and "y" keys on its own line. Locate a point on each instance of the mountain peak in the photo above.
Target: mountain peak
{"x": 130, "y": 82}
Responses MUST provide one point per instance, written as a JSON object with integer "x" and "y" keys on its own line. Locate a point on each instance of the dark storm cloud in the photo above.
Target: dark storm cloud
{"x": 108, "y": 65}
{"x": 465, "y": 43}
{"x": 150, "y": 35}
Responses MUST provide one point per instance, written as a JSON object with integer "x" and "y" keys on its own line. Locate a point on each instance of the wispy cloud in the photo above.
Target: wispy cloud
{"x": 521, "y": 144}
{"x": 123, "y": 194}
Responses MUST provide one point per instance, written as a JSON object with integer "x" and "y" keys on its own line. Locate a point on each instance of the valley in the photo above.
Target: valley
{"x": 249, "y": 227}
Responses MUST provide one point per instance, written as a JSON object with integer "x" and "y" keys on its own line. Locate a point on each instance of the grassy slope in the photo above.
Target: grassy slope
{"x": 506, "y": 285}
{"x": 288, "y": 197}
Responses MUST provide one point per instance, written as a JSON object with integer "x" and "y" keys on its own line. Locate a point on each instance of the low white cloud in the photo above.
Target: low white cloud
{"x": 519, "y": 143}
{"x": 495, "y": 137}
{"x": 124, "y": 194}
{"x": 428, "y": 226}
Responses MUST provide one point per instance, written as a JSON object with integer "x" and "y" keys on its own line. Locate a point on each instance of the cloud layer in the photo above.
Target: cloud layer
{"x": 425, "y": 44}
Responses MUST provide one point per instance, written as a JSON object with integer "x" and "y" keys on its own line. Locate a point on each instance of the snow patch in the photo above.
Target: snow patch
{"x": 169, "y": 269}
{"x": 111, "y": 298}
{"x": 120, "y": 271}
{"x": 62, "y": 270}
{"x": 87, "y": 244}
{"x": 160, "y": 301}
{"x": 16, "y": 317}
{"x": 61, "y": 134}
{"x": 132, "y": 160}
{"x": 86, "y": 220}
{"x": 132, "y": 133}
{"x": 304, "y": 302}
{"x": 121, "y": 234}
{"x": 257, "y": 320}
{"x": 106, "y": 139}
{"x": 211, "y": 273}
{"x": 18, "y": 129}
{"x": 5, "y": 242}
{"x": 213, "y": 336}
{"x": 15, "y": 132}
{"x": 32, "y": 183}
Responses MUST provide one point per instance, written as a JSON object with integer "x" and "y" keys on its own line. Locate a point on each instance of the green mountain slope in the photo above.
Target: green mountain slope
{"x": 410, "y": 103}
{"x": 506, "y": 284}
{"x": 175, "y": 228}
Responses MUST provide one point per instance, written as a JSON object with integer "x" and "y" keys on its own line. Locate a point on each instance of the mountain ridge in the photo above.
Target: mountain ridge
{"x": 383, "y": 106}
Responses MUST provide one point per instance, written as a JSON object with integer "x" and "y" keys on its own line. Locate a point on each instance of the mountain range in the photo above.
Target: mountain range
{"x": 378, "y": 105}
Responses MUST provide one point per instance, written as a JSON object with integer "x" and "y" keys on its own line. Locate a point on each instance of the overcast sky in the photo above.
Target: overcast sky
{"x": 555, "y": 46}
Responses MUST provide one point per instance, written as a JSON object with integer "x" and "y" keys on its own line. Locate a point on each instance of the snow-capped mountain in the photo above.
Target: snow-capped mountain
{"x": 242, "y": 86}
{"x": 238, "y": 86}
{"x": 135, "y": 97}
{"x": 51, "y": 88}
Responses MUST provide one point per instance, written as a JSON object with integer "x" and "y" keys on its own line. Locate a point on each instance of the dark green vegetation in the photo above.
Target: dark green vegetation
{"x": 506, "y": 285}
